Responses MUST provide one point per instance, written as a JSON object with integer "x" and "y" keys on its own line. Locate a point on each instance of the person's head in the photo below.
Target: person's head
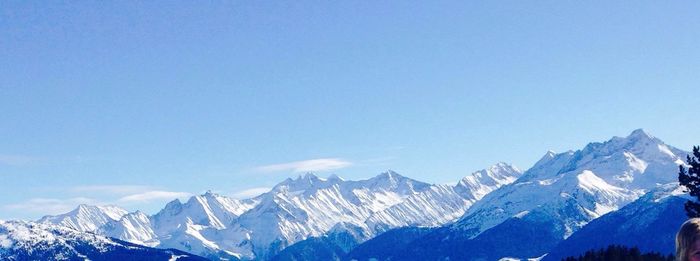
{"x": 688, "y": 241}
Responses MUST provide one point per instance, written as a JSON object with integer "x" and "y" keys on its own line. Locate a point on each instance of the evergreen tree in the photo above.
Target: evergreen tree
{"x": 619, "y": 253}
{"x": 690, "y": 178}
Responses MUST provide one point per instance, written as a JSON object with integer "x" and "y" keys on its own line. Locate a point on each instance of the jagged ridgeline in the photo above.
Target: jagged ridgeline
{"x": 21, "y": 240}
{"x": 620, "y": 186}
{"x": 212, "y": 225}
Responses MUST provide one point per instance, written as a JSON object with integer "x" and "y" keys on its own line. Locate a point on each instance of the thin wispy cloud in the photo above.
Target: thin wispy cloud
{"x": 249, "y": 193}
{"x": 312, "y": 165}
{"x": 50, "y": 206}
{"x": 130, "y": 195}
{"x": 16, "y": 160}
{"x": 150, "y": 196}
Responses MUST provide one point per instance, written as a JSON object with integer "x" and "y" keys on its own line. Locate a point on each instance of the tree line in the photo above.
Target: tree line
{"x": 620, "y": 253}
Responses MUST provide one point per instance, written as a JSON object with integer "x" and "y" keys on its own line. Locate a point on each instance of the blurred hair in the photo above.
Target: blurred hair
{"x": 686, "y": 236}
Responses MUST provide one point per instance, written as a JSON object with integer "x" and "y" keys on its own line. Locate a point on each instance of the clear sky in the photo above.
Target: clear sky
{"x": 137, "y": 102}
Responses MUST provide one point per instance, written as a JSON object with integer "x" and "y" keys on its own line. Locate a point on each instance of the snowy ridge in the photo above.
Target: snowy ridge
{"x": 188, "y": 226}
{"x": 659, "y": 212}
{"x": 296, "y": 209}
{"x": 442, "y": 203}
{"x": 311, "y": 206}
{"x": 600, "y": 178}
{"x": 86, "y": 218}
{"x": 433, "y": 207}
{"x": 475, "y": 186}
{"x": 554, "y": 199}
{"x": 20, "y": 240}
{"x": 559, "y": 196}
{"x": 209, "y": 209}
{"x": 561, "y": 193}
{"x": 22, "y": 234}
{"x": 592, "y": 194}
{"x": 133, "y": 227}
{"x": 386, "y": 201}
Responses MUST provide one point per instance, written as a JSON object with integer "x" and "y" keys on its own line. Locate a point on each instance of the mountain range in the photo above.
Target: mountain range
{"x": 554, "y": 199}
{"x": 216, "y": 226}
{"x": 20, "y": 240}
{"x": 498, "y": 212}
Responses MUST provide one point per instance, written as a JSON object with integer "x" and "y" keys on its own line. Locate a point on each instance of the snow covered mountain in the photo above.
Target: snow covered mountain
{"x": 193, "y": 226}
{"x": 559, "y": 195}
{"x": 417, "y": 205}
{"x": 42, "y": 241}
{"x": 334, "y": 245}
{"x": 480, "y": 214}
{"x": 650, "y": 223}
{"x": 443, "y": 203}
{"x": 310, "y": 206}
{"x": 211, "y": 225}
{"x": 387, "y": 245}
{"x": 133, "y": 227}
{"x": 601, "y": 178}
{"x": 375, "y": 205}
{"x": 86, "y": 218}
{"x": 210, "y": 209}
{"x": 475, "y": 186}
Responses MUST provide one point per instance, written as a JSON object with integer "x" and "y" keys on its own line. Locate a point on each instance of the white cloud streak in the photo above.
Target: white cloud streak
{"x": 50, "y": 206}
{"x": 312, "y": 165}
{"x": 131, "y": 195}
{"x": 149, "y": 196}
{"x": 16, "y": 160}
{"x": 250, "y": 193}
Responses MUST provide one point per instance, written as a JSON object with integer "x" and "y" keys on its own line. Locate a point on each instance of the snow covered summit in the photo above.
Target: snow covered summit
{"x": 599, "y": 178}
{"x": 20, "y": 240}
{"x": 213, "y": 225}
{"x": 86, "y": 218}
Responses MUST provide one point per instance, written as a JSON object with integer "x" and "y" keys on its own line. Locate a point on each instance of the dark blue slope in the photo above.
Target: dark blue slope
{"x": 648, "y": 223}
{"x": 122, "y": 251}
{"x": 388, "y": 244}
{"x": 332, "y": 246}
{"x": 531, "y": 235}
{"x": 315, "y": 248}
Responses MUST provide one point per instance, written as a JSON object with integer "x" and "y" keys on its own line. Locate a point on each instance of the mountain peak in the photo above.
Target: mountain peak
{"x": 308, "y": 176}
{"x": 636, "y": 142}
{"x": 390, "y": 180}
{"x": 46, "y": 241}
{"x": 390, "y": 174}
{"x": 174, "y": 202}
{"x": 550, "y": 154}
{"x": 334, "y": 177}
{"x": 302, "y": 183}
{"x": 639, "y": 133}
{"x": 86, "y": 217}
{"x": 636, "y": 137}
{"x": 502, "y": 166}
{"x": 83, "y": 207}
{"x": 110, "y": 210}
{"x": 210, "y": 194}
{"x": 477, "y": 184}
{"x": 173, "y": 206}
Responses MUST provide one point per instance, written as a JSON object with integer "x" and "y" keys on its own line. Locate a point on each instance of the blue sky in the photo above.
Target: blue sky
{"x": 135, "y": 103}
